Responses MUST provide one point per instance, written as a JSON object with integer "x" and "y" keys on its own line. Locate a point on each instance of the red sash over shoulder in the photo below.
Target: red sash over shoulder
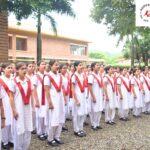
{"x": 5, "y": 87}
{"x": 43, "y": 91}
{"x": 148, "y": 86}
{"x": 25, "y": 97}
{"x": 82, "y": 87}
{"x": 57, "y": 87}
{"x": 126, "y": 86}
{"x": 100, "y": 83}
{"x": 138, "y": 84}
{"x": 68, "y": 87}
{"x": 85, "y": 79}
{"x": 112, "y": 84}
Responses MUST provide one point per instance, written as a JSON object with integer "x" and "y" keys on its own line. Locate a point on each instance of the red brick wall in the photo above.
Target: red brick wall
{"x": 3, "y": 38}
{"x": 52, "y": 47}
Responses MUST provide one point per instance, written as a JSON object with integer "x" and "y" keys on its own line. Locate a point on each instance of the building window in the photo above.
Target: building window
{"x": 21, "y": 44}
{"x": 79, "y": 50}
{"x": 9, "y": 42}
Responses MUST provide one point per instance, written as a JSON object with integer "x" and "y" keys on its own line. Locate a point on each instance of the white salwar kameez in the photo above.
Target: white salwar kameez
{"x": 112, "y": 103}
{"x": 126, "y": 102}
{"x": 23, "y": 125}
{"x": 79, "y": 112}
{"x": 7, "y": 135}
{"x": 146, "y": 96}
{"x": 95, "y": 109}
{"x": 56, "y": 115}
{"x": 41, "y": 112}
{"x": 137, "y": 102}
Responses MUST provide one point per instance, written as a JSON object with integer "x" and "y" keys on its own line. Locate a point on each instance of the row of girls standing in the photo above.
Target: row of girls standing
{"x": 40, "y": 100}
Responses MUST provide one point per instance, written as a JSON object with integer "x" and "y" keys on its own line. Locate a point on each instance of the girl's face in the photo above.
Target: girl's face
{"x": 64, "y": 69}
{"x": 137, "y": 72}
{"x": 30, "y": 68}
{"x": 8, "y": 70}
{"x": 111, "y": 70}
{"x": 22, "y": 71}
{"x": 42, "y": 67}
{"x": 79, "y": 68}
{"x": 124, "y": 72}
{"x": 96, "y": 68}
{"x": 55, "y": 67}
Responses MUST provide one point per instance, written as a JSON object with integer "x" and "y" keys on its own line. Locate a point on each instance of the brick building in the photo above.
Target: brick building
{"x": 3, "y": 37}
{"x": 22, "y": 46}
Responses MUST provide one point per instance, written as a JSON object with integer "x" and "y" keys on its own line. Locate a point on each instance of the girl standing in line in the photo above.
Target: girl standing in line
{"x": 53, "y": 83}
{"x": 22, "y": 89}
{"x": 95, "y": 96}
{"x": 79, "y": 103}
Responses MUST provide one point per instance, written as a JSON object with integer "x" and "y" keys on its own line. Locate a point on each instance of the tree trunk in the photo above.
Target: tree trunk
{"x": 132, "y": 50}
{"x": 39, "y": 38}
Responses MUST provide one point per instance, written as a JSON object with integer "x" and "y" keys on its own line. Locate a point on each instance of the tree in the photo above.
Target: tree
{"x": 37, "y": 9}
{"x": 119, "y": 16}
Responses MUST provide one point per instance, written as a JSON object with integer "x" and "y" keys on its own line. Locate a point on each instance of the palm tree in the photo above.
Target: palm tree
{"x": 37, "y": 9}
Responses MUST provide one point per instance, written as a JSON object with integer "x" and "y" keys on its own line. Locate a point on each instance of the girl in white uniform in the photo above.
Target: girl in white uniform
{"x": 136, "y": 93}
{"x": 55, "y": 101}
{"x": 22, "y": 89}
{"x": 2, "y": 117}
{"x": 66, "y": 88}
{"x": 95, "y": 96}
{"x": 29, "y": 75}
{"x": 41, "y": 110}
{"x": 109, "y": 96}
{"x": 79, "y": 100}
{"x": 124, "y": 94}
{"x": 145, "y": 80}
{"x": 8, "y": 103}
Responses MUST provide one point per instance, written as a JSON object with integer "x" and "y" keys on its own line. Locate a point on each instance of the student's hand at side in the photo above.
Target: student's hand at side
{"x": 3, "y": 123}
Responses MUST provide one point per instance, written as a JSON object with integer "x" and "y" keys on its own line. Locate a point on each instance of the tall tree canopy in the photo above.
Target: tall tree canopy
{"x": 119, "y": 16}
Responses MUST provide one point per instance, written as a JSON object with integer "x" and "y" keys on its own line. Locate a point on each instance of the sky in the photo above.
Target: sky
{"x": 81, "y": 27}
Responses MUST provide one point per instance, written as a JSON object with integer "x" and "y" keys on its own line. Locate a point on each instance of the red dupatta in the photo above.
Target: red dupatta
{"x": 126, "y": 86}
{"x": 148, "y": 86}
{"x": 100, "y": 83}
{"x": 82, "y": 87}
{"x": 25, "y": 97}
{"x": 112, "y": 84}
{"x": 6, "y": 88}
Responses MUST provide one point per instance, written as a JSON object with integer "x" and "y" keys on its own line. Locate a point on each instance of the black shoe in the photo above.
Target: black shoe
{"x": 33, "y": 132}
{"x": 41, "y": 137}
{"x": 79, "y": 134}
{"x": 45, "y": 136}
{"x": 109, "y": 123}
{"x": 64, "y": 129}
{"x": 99, "y": 127}
{"x": 11, "y": 144}
{"x": 5, "y": 146}
{"x": 113, "y": 122}
{"x": 68, "y": 119}
{"x": 83, "y": 132}
{"x": 94, "y": 128}
{"x": 86, "y": 124}
{"x": 59, "y": 141}
{"x": 52, "y": 143}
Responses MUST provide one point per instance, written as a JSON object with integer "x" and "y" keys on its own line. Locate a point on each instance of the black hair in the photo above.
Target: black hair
{"x": 93, "y": 65}
{"x": 76, "y": 63}
{"x": 5, "y": 64}
{"x": 39, "y": 62}
{"x": 107, "y": 68}
{"x": 19, "y": 65}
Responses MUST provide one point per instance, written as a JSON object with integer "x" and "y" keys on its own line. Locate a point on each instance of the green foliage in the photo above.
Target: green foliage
{"x": 108, "y": 58}
{"x": 38, "y": 8}
{"x": 119, "y": 16}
